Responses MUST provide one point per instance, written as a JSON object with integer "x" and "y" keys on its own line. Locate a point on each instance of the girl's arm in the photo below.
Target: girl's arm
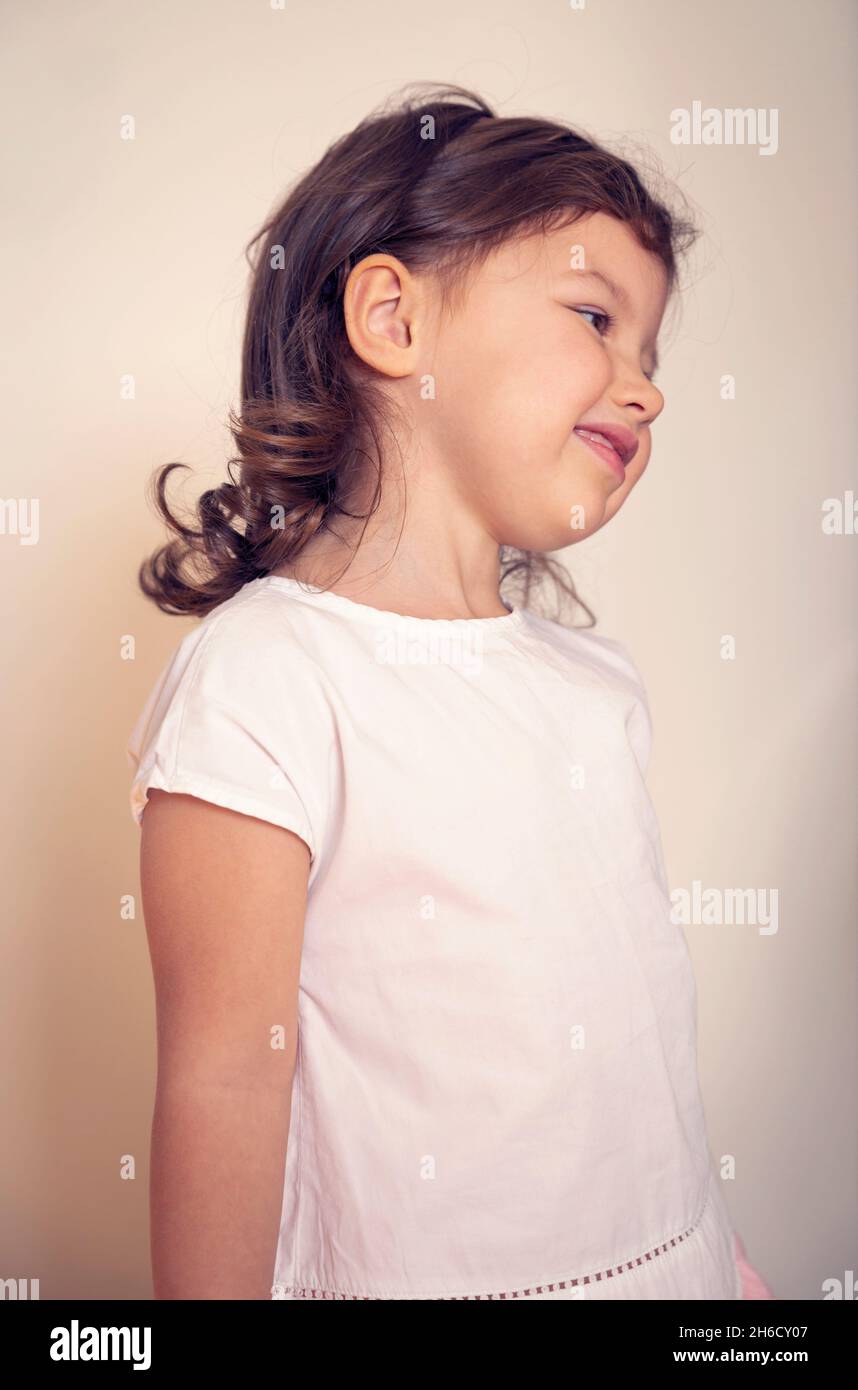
{"x": 224, "y": 897}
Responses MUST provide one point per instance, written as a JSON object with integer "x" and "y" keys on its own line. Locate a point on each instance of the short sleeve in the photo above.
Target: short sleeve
{"x": 238, "y": 718}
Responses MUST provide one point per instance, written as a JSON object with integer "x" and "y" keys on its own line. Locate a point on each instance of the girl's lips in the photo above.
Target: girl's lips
{"x": 606, "y": 452}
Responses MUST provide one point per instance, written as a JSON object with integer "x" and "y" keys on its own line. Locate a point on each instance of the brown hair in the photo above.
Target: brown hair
{"x": 440, "y": 182}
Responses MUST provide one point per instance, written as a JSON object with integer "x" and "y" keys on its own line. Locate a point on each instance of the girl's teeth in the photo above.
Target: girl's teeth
{"x": 599, "y": 438}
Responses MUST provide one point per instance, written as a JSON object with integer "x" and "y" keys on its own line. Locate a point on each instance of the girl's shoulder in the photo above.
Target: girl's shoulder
{"x": 246, "y": 648}
{"x": 582, "y": 644}
{"x": 607, "y": 669}
{"x": 238, "y": 714}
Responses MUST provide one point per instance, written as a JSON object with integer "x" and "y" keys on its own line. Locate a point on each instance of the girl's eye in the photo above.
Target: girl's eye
{"x": 607, "y": 319}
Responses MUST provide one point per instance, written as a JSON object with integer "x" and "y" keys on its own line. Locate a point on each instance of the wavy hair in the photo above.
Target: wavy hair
{"x": 438, "y": 180}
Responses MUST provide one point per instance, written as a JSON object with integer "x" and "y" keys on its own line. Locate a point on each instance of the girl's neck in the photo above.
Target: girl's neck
{"x": 395, "y": 585}
{"x": 416, "y": 550}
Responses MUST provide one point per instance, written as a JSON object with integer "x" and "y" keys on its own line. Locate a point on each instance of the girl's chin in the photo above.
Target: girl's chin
{"x": 586, "y": 507}
{"x": 577, "y": 525}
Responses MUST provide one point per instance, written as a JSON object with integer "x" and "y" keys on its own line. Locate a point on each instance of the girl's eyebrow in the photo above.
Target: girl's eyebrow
{"x": 616, "y": 290}
{"x": 619, "y": 294}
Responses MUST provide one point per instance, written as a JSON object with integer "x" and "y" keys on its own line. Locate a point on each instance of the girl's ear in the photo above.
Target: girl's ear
{"x": 381, "y": 304}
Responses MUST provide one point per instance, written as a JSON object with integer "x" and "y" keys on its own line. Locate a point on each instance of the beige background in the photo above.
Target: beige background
{"x": 127, "y": 257}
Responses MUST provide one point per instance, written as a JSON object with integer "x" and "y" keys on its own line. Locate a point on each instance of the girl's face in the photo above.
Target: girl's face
{"x": 541, "y": 347}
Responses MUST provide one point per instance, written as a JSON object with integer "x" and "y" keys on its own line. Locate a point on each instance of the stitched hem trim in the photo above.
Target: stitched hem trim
{"x": 283, "y": 1291}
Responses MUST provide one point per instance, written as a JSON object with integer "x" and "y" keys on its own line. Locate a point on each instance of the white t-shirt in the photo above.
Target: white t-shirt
{"x": 496, "y": 1090}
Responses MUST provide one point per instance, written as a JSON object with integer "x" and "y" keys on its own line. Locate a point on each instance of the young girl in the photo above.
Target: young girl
{"x": 426, "y": 1029}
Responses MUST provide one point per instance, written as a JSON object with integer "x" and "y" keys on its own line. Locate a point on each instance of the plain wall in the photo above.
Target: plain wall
{"x": 126, "y": 256}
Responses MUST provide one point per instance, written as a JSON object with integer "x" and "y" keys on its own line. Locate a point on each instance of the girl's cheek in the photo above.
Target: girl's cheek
{"x": 588, "y": 378}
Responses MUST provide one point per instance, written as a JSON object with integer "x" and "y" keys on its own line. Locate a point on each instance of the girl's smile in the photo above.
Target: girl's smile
{"x": 616, "y": 444}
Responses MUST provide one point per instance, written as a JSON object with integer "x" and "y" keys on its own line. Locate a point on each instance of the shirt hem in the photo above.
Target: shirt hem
{"x": 220, "y": 794}
{"x": 567, "y": 1286}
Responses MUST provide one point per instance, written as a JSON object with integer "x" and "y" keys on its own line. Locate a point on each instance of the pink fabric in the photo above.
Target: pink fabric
{"x": 753, "y": 1284}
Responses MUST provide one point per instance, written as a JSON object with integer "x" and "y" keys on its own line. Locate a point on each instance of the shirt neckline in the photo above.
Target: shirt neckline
{"x": 363, "y": 612}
